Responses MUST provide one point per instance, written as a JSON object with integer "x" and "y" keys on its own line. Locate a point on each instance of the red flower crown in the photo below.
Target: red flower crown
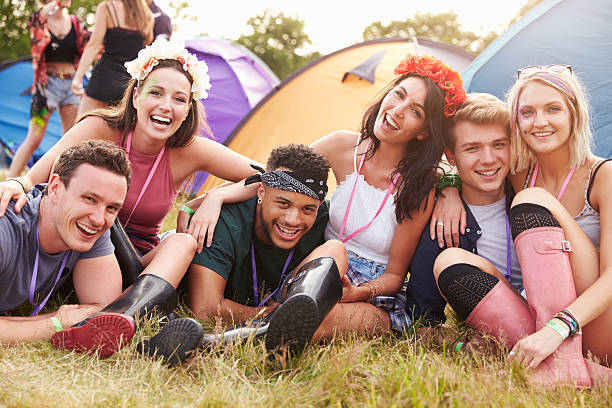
{"x": 440, "y": 73}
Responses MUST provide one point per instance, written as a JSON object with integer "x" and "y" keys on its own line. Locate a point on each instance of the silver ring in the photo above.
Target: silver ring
{"x": 512, "y": 353}
{"x": 440, "y": 224}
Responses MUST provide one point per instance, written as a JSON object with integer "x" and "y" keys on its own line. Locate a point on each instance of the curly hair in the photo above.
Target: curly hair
{"x": 299, "y": 158}
{"x": 419, "y": 166}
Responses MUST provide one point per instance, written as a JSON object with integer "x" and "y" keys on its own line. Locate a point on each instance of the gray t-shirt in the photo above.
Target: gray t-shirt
{"x": 18, "y": 252}
{"x": 493, "y": 244}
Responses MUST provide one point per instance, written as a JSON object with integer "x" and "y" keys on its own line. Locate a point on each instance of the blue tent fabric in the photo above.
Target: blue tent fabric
{"x": 574, "y": 32}
{"x": 15, "y": 107}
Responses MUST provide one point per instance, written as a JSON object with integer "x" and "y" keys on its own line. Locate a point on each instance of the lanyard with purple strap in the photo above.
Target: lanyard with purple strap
{"x": 35, "y": 274}
{"x": 348, "y": 206}
{"x": 254, "y": 268}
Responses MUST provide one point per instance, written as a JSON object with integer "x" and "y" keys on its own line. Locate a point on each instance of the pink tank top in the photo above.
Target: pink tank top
{"x": 155, "y": 203}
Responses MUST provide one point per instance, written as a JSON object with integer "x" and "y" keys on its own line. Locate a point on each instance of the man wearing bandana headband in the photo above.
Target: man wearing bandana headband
{"x": 268, "y": 260}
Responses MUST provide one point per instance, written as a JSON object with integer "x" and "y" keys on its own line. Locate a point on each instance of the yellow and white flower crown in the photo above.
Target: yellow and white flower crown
{"x": 162, "y": 49}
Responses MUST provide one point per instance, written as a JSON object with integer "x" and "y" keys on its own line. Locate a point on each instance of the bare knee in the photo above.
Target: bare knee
{"x": 183, "y": 245}
{"x": 534, "y": 195}
{"x": 449, "y": 257}
{"x": 334, "y": 249}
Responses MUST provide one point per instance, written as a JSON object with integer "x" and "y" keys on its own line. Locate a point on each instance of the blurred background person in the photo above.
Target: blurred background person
{"x": 124, "y": 27}
{"x": 58, "y": 39}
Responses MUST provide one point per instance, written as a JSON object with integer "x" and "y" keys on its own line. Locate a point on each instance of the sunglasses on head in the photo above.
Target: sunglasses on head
{"x": 532, "y": 69}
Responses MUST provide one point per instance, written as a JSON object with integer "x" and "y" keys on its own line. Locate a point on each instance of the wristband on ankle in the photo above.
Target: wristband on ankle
{"x": 18, "y": 181}
{"x": 559, "y": 327}
{"x": 187, "y": 210}
{"x": 56, "y": 323}
{"x": 458, "y": 346}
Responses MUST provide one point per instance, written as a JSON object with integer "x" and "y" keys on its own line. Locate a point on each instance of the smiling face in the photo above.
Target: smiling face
{"x": 482, "y": 157}
{"x": 544, "y": 118}
{"x": 162, "y": 103}
{"x": 401, "y": 117}
{"x": 284, "y": 217}
{"x": 86, "y": 208}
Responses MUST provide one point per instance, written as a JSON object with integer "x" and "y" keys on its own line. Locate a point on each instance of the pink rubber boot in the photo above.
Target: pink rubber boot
{"x": 543, "y": 253}
{"x": 503, "y": 315}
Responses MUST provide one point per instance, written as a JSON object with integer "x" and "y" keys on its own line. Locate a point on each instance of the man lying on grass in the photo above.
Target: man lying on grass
{"x": 62, "y": 230}
{"x": 268, "y": 259}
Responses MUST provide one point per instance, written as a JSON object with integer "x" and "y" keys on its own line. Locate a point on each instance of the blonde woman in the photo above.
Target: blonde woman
{"x": 124, "y": 28}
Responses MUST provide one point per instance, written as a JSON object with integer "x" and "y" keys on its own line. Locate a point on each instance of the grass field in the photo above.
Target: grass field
{"x": 389, "y": 371}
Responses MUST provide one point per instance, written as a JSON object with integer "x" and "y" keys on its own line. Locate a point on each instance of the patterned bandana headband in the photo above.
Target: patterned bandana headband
{"x": 439, "y": 73}
{"x": 290, "y": 181}
{"x": 162, "y": 49}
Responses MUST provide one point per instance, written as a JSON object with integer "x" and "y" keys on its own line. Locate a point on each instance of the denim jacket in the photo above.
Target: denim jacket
{"x": 423, "y": 299}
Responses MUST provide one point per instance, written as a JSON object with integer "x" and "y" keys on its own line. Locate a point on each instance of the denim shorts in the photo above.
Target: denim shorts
{"x": 59, "y": 93}
{"x": 361, "y": 270}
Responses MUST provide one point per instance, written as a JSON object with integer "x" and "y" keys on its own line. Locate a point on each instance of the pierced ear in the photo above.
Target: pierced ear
{"x": 261, "y": 193}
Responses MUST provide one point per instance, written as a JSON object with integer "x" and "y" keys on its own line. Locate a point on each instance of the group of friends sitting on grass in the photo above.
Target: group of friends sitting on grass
{"x": 511, "y": 241}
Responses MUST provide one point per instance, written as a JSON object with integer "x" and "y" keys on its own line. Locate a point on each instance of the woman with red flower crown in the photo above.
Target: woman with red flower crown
{"x": 385, "y": 176}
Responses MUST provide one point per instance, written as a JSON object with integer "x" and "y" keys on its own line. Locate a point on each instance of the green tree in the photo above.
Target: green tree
{"x": 14, "y": 16}
{"x": 441, "y": 27}
{"x": 276, "y": 39}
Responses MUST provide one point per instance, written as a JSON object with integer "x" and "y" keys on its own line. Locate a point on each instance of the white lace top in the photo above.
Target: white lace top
{"x": 374, "y": 242}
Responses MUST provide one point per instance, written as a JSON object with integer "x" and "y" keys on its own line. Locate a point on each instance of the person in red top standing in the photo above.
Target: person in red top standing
{"x": 58, "y": 39}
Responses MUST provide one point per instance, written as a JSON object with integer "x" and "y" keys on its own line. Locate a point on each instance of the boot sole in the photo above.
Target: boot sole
{"x": 103, "y": 334}
{"x": 293, "y": 324}
{"x": 174, "y": 342}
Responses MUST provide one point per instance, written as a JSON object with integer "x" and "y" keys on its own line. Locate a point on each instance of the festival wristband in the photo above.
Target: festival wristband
{"x": 559, "y": 327}
{"x": 18, "y": 181}
{"x": 187, "y": 210}
{"x": 458, "y": 346}
{"x": 449, "y": 180}
{"x": 56, "y": 323}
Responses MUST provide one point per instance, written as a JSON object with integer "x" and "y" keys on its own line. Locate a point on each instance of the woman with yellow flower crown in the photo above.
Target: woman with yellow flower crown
{"x": 157, "y": 122}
